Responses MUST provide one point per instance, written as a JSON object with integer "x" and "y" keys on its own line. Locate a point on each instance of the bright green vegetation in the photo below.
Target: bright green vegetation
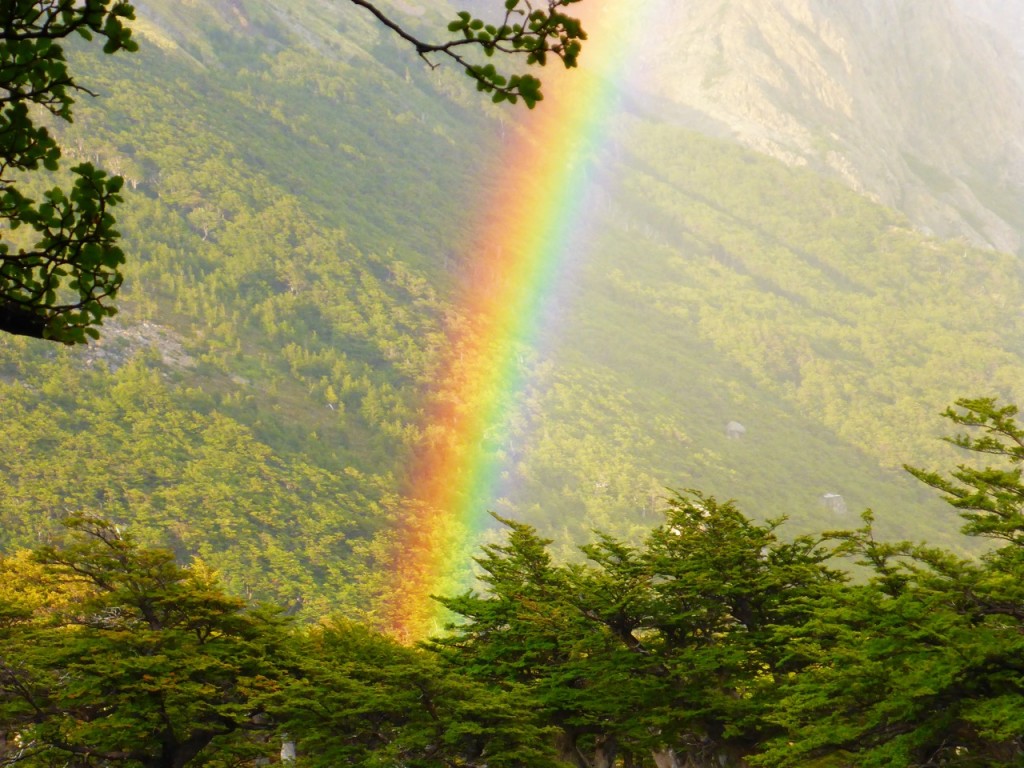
{"x": 713, "y": 642}
{"x": 295, "y": 215}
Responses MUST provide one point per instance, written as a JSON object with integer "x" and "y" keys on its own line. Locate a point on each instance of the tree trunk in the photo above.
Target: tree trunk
{"x": 605, "y": 751}
{"x": 19, "y": 321}
{"x": 565, "y": 746}
{"x": 178, "y": 754}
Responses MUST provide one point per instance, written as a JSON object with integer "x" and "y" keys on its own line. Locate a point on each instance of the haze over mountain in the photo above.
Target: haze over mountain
{"x": 916, "y": 103}
{"x": 1003, "y": 17}
{"x": 300, "y": 192}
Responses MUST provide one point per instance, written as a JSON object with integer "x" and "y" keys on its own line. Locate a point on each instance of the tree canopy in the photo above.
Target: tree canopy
{"x": 712, "y": 642}
{"x": 112, "y": 654}
{"x": 133, "y": 661}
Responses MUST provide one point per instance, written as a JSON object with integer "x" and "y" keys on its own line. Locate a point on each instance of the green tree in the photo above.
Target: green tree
{"x": 721, "y": 587}
{"x": 363, "y": 699}
{"x": 669, "y": 648}
{"x": 922, "y": 664}
{"x": 525, "y": 633}
{"x": 130, "y": 659}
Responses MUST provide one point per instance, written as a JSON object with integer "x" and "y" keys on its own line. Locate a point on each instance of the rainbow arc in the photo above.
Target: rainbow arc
{"x": 528, "y": 229}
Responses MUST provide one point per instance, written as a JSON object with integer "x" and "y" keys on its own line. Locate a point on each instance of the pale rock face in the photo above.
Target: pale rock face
{"x": 914, "y": 102}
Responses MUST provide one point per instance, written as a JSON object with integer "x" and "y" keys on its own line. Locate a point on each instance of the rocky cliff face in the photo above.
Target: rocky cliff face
{"x": 917, "y": 103}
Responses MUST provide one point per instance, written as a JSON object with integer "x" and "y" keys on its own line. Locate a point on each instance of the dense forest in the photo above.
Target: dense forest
{"x": 199, "y": 511}
{"x": 713, "y": 642}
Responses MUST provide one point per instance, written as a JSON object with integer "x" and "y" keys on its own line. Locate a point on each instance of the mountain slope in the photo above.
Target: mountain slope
{"x": 913, "y": 102}
{"x": 296, "y": 200}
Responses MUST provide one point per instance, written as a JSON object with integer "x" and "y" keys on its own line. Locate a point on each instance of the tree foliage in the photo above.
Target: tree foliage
{"x": 532, "y": 31}
{"x": 364, "y": 699}
{"x": 143, "y": 663}
{"x": 990, "y": 499}
{"x": 112, "y": 654}
{"x": 59, "y": 285}
{"x": 921, "y": 665}
{"x": 667, "y": 648}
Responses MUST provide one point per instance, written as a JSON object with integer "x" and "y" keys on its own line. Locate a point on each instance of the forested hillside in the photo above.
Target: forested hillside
{"x": 297, "y": 197}
{"x": 734, "y": 521}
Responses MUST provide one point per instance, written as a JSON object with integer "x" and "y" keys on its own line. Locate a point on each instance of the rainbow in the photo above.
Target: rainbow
{"x": 527, "y": 229}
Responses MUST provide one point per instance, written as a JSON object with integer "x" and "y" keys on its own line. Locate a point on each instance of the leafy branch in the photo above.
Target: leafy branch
{"x": 989, "y": 499}
{"x": 59, "y": 287}
{"x": 527, "y": 31}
